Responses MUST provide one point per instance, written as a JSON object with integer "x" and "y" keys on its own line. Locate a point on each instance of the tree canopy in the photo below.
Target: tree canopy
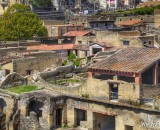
{"x": 19, "y": 23}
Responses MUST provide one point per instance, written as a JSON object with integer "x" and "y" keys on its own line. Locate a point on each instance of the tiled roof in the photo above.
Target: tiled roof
{"x": 76, "y": 33}
{"x": 133, "y": 60}
{"x": 129, "y": 22}
{"x": 45, "y": 47}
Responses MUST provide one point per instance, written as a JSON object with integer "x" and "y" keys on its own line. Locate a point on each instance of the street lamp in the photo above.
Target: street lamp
{"x": 4, "y": 4}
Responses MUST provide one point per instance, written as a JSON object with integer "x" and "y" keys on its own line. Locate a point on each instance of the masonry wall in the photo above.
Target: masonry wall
{"x": 22, "y": 65}
{"x": 85, "y": 39}
{"x": 41, "y": 62}
{"x": 115, "y": 39}
{"x": 8, "y": 109}
{"x": 123, "y": 115}
{"x": 98, "y": 89}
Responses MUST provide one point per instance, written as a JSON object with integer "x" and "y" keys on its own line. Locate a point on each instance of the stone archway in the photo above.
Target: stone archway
{"x": 2, "y": 114}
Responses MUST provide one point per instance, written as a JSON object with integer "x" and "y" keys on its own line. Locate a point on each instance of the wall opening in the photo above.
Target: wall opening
{"x": 7, "y": 72}
{"x": 103, "y": 122}
{"x": 127, "y": 127}
{"x": 126, "y": 79}
{"x": 148, "y": 76}
{"x": 2, "y": 114}
{"x": 80, "y": 115}
{"x": 96, "y": 50}
{"x": 113, "y": 91}
{"x": 28, "y": 72}
{"x": 35, "y": 106}
{"x": 59, "y": 117}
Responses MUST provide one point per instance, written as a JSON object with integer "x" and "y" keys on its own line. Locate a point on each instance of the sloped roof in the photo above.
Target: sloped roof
{"x": 129, "y": 22}
{"x": 45, "y": 47}
{"x": 133, "y": 60}
{"x": 76, "y": 33}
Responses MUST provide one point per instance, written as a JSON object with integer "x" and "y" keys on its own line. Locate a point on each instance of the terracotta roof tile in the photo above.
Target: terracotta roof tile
{"x": 129, "y": 22}
{"x": 76, "y": 33}
{"x": 45, "y": 47}
{"x": 129, "y": 60}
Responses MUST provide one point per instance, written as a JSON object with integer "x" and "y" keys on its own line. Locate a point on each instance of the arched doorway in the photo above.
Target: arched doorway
{"x": 2, "y": 114}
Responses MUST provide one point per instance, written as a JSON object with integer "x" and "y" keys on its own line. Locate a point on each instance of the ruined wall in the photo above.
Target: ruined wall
{"x": 123, "y": 115}
{"x": 115, "y": 39}
{"x": 8, "y": 66}
{"x": 97, "y": 89}
{"x": 40, "y": 63}
{"x": 85, "y": 39}
{"x": 150, "y": 40}
{"x": 32, "y": 121}
{"x": 8, "y": 109}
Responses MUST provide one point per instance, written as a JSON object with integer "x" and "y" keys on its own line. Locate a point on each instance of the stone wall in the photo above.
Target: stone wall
{"x": 115, "y": 39}
{"x": 97, "y": 89}
{"x": 123, "y": 115}
{"x": 39, "y": 62}
{"x": 8, "y": 110}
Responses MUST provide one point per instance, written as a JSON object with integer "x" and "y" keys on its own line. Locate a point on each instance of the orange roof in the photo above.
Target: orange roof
{"x": 45, "y": 47}
{"x": 76, "y": 33}
{"x": 129, "y": 22}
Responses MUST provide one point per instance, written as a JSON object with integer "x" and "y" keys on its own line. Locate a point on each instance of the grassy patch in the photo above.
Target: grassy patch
{"x": 22, "y": 89}
{"x": 64, "y": 81}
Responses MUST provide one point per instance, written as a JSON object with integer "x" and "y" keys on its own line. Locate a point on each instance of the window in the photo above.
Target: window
{"x": 150, "y": 42}
{"x": 96, "y": 25}
{"x": 113, "y": 91}
{"x": 79, "y": 42}
{"x": 106, "y": 24}
{"x": 28, "y": 72}
{"x": 127, "y": 127}
{"x": 80, "y": 115}
{"x": 126, "y": 43}
{"x": 7, "y": 72}
{"x": 58, "y": 117}
{"x": 92, "y": 26}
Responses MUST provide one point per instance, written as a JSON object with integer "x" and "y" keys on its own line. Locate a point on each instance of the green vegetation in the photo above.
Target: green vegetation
{"x": 41, "y": 3}
{"x": 20, "y": 23}
{"x": 85, "y": 95}
{"x": 137, "y": 11}
{"x": 72, "y": 59}
{"x": 64, "y": 81}
{"x": 22, "y": 89}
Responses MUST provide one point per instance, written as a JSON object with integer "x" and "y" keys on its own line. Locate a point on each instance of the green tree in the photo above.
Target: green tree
{"x": 73, "y": 59}
{"x": 19, "y": 23}
{"x": 41, "y": 3}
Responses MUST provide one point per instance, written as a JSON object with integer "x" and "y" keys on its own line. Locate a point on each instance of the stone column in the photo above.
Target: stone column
{"x": 90, "y": 74}
{"x": 156, "y": 74}
{"x": 70, "y": 113}
{"x": 90, "y": 119}
{"x": 90, "y": 50}
{"x": 138, "y": 79}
